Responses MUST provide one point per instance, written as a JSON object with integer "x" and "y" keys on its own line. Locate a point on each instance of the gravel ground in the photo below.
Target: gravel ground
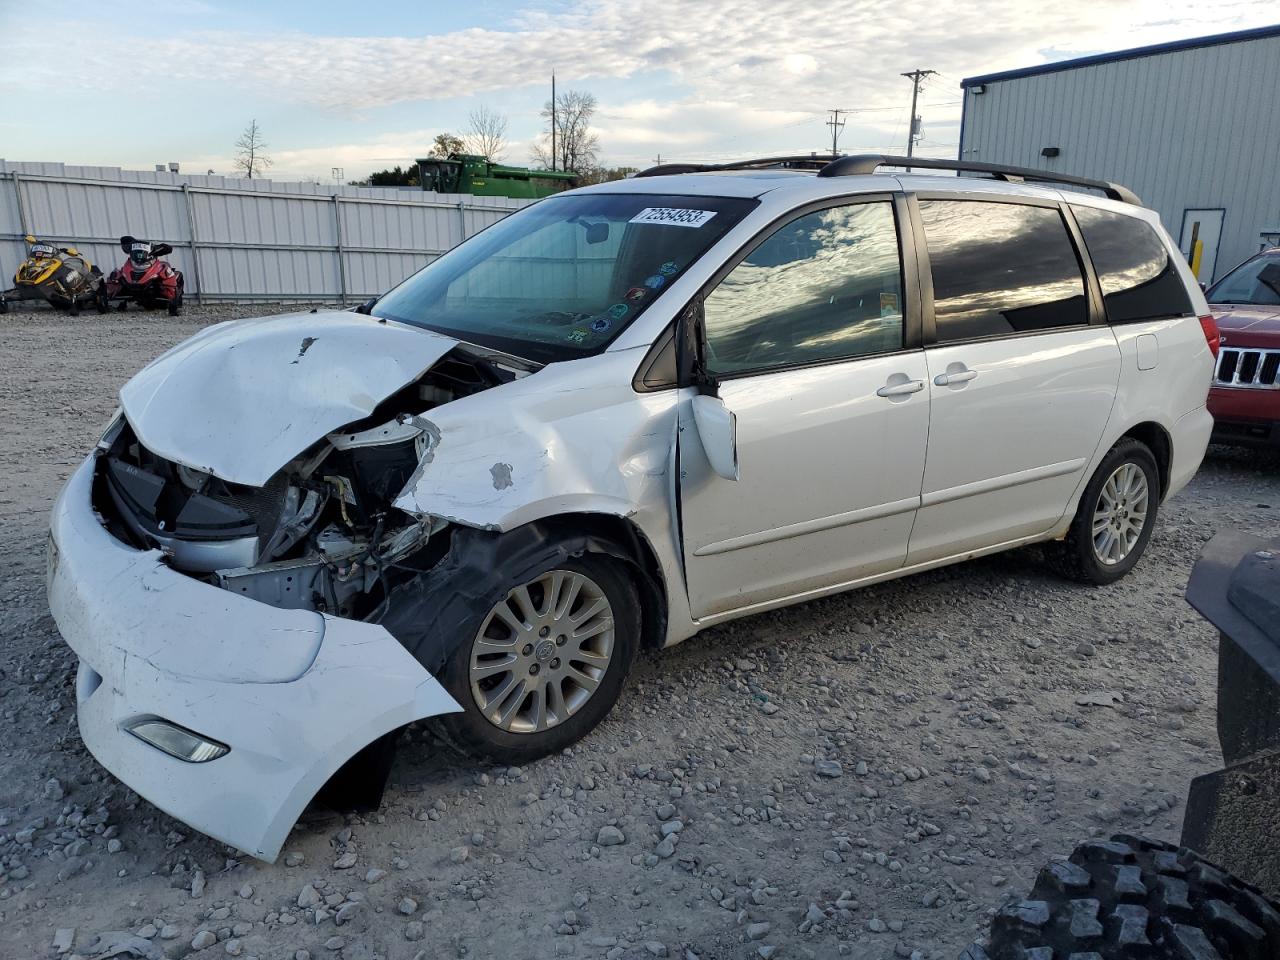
{"x": 865, "y": 776}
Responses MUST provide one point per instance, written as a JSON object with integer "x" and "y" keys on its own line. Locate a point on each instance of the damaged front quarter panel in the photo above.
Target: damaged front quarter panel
{"x": 575, "y": 438}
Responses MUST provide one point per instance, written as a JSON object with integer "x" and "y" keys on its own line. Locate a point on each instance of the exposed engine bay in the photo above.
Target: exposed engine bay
{"x": 322, "y": 533}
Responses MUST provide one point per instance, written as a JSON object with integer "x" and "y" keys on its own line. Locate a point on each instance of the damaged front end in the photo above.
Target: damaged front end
{"x": 322, "y": 533}
{"x": 222, "y": 562}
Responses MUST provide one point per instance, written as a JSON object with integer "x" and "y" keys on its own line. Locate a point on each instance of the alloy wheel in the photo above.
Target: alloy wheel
{"x": 1120, "y": 515}
{"x": 541, "y": 652}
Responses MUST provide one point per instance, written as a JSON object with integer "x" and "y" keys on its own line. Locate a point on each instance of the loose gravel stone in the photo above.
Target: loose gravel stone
{"x": 609, "y": 836}
{"x": 203, "y": 940}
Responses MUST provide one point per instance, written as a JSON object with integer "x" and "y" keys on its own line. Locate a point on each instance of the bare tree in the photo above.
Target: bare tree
{"x": 487, "y": 133}
{"x": 445, "y": 144}
{"x": 251, "y": 154}
{"x": 576, "y": 144}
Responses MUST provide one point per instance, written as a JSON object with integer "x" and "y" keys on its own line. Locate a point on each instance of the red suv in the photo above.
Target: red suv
{"x": 1245, "y": 399}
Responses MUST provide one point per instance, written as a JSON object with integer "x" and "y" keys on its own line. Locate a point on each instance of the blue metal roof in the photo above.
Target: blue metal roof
{"x": 1257, "y": 33}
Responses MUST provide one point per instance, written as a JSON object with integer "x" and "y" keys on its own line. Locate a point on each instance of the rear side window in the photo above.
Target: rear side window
{"x": 1138, "y": 278}
{"x": 1001, "y": 268}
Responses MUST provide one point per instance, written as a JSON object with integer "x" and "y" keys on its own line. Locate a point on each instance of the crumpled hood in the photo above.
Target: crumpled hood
{"x": 241, "y": 399}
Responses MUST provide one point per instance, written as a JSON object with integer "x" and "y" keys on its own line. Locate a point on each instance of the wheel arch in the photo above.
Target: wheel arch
{"x": 636, "y": 550}
{"x": 1156, "y": 438}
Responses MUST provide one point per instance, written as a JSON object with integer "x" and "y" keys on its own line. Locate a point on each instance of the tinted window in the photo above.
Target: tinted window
{"x": 1139, "y": 280}
{"x": 1001, "y": 268}
{"x": 1254, "y": 281}
{"x": 824, "y": 286}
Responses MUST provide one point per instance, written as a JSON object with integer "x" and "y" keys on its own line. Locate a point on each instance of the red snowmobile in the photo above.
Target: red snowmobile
{"x": 146, "y": 279}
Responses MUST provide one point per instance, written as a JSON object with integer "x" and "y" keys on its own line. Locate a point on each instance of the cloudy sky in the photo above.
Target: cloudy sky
{"x": 365, "y": 86}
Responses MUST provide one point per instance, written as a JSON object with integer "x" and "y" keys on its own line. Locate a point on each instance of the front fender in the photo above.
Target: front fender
{"x": 577, "y": 439}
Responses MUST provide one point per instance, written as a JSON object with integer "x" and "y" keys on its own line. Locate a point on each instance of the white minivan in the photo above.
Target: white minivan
{"x": 616, "y": 417}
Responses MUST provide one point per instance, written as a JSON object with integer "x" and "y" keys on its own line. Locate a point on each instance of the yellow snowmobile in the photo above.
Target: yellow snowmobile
{"x": 59, "y": 275}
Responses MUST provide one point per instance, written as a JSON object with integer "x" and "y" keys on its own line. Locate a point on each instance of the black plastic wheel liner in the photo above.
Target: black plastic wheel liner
{"x": 437, "y": 611}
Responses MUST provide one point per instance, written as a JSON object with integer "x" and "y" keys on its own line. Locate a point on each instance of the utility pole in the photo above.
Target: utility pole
{"x": 553, "y": 119}
{"x": 836, "y": 125}
{"x": 913, "y": 130}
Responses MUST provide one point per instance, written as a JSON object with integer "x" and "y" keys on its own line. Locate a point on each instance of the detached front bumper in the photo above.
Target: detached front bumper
{"x": 293, "y": 693}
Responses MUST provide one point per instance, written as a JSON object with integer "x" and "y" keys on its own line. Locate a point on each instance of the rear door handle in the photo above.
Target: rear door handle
{"x": 900, "y": 389}
{"x": 948, "y": 379}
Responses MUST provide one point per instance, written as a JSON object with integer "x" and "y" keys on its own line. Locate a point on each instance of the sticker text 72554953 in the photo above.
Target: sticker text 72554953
{"x": 673, "y": 216}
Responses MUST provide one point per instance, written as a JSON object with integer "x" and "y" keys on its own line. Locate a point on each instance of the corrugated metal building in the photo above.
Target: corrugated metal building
{"x": 1193, "y": 127}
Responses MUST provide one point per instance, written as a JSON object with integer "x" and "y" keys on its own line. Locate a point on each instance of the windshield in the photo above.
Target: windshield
{"x": 563, "y": 277}
{"x": 1254, "y": 281}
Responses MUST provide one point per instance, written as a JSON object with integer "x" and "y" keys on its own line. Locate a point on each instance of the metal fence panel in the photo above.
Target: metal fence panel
{"x": 240, "y": 239}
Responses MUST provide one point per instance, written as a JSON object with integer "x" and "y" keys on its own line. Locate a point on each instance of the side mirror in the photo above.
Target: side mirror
{"x": 718, "y": 431}
{"x": 162, "y": 250}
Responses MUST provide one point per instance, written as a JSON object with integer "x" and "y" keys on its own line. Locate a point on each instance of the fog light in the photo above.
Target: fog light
{"x": 176, "y": 741}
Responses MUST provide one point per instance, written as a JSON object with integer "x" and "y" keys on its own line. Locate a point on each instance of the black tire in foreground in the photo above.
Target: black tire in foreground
{"x": 1113, "y": 523}
{"x": 1132, "y": 898}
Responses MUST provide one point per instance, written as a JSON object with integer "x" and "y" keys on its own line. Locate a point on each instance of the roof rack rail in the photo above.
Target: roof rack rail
{"x": 868, "y": 163}
{"x": 806, "y": 161}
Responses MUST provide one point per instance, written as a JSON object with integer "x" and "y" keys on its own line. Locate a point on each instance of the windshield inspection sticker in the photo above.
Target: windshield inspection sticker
{"x": 673, "y": 216}
{"x": 655, "y": 282}
{"x": 668, "y": 268}
{"x": 617, "y": 311}
{"x": 601, "y": 324}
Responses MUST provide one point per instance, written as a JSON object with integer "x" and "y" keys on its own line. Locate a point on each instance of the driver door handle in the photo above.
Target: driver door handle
{"x": 900, "y": 389}
{"x": 960, "y": 376}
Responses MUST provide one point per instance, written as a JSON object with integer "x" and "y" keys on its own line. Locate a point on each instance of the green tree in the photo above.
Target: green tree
{"x": 445, "y": 144}
{"x": 395, "y": 177}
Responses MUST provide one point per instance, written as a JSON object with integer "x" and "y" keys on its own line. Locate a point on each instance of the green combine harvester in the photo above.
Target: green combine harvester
{"x": 467, "y": 173}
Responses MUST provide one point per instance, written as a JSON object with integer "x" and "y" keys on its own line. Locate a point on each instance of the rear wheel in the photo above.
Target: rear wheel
{"x": 100, "y": 301}
{"x": 546, "y": 660}
{"x": 1129, "y": 897}
{"x": 1117, "y": 513}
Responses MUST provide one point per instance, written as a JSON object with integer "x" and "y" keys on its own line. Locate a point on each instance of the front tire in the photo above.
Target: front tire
{"x": 1117, "y": 513}
{"x": 546, "y": 660}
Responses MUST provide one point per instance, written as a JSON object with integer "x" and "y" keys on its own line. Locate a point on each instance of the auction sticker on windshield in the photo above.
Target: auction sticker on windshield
{"x": 673, "y": 216}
